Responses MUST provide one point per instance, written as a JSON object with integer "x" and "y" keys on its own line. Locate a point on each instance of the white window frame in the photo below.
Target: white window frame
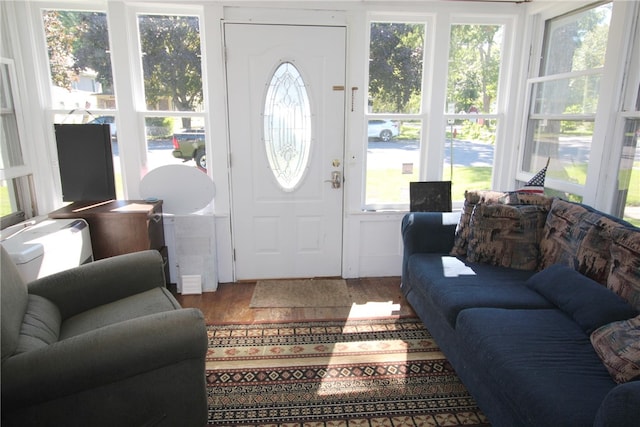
{"x": 606, "y": 146}
{"x": 131, "y": 75}
{"x": 427, "y": 58}
{"x": 24, "y": 200}
{"x": 435, "y": 75}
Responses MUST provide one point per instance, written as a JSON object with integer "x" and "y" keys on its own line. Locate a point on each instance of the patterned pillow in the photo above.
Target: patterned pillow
{"x": 579, "y": 237}
{"x": 618, "y": 345}
{"x": 471, "y": 199}
{"x": 518, "y": 198}
{"x": 624, "y": 278}
{"x": 506, "y": 235}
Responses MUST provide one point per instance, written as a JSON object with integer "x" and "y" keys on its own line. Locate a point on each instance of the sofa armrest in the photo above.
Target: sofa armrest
{"x": 427, "y": 232}
{"x": 620, "y": 407}
{"x": 104, "y": 356}
{"x": 101, "y": 282}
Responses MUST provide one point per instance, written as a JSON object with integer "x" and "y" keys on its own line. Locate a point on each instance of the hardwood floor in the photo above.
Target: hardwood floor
{"x": 370, "y": 297}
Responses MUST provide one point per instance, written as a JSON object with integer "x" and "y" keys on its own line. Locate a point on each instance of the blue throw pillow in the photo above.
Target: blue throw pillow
{"x": 588, "y": 302}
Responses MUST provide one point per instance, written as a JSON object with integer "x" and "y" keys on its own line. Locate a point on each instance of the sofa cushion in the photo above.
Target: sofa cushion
{"x": 589, "y": 303}
{"x": 624, "y": 278}
{"x": 153, "y": 301}
{"x": 40, "y": 326}
{"x": 618, "y": 345}
{"x": 578, "y": 236}
{"x": 453, "y": 285}
{"x": 506, "y": 235}
{"x": 540, "y": 362}
{"x": 471, "y": 199}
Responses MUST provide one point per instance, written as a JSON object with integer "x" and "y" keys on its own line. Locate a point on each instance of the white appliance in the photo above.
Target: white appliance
{"x": 189, "y": 224}
{"x": 49, "y": 246}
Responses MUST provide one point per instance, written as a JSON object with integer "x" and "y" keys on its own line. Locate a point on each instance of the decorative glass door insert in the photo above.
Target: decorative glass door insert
{"x": 287, "y": 126}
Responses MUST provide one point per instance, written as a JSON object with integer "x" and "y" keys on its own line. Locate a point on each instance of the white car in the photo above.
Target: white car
{"x": 382, "y": 129}
{"x": 106, "y": 120}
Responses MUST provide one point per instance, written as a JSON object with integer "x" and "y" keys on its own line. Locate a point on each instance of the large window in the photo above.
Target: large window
{"x": 81, "y": 79}
{"x": 475, "y": 53}
{"x": 564, "y": 97}
{"x": 173, "y": 91}
{"x": 394, "y": 121}
{"x": 627, "y": 195}
{"x": 16, "y": 186}
{"x": 397, "y": 119}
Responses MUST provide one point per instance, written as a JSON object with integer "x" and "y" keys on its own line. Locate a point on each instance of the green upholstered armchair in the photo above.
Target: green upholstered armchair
{"x": 103, "y": 344}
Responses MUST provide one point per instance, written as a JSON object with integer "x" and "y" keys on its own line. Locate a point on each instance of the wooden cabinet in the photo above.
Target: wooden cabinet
{"x": 120, "y": 226}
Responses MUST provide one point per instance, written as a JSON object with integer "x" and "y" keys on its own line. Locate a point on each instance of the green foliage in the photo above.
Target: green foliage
{"x": 474, "y": 66}
{"x": 171, "y": 60}
{"x": 170, "y": 46}
{"x": 395, "y": 67}
{"x": 91, "y": 46}
{"x": 159, "y": 127}
{"x": 60, "y": 38}
{"x": 478, "y": 131}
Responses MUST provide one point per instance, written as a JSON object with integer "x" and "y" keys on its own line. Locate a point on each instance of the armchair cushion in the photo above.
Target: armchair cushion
{"x": 150, "y": 302}
{"x": 101, "y": 282}
{"x": 41, "y": 325}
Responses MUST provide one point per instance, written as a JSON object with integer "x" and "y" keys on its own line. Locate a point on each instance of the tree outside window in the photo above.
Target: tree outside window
{"x": 394, "y": 122}
{"x": 172, "y": 72}
{"x": 475, "y": 52}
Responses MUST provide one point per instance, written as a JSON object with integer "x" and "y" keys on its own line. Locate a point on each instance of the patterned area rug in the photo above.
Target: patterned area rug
{"x": 383, "y": 372}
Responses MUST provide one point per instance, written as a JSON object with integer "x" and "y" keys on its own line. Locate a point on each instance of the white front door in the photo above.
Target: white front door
{"x": 286, "y": 126}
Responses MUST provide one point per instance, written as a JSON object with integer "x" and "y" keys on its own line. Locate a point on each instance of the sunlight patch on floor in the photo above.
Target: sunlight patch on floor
{"x": 374, "y": 309}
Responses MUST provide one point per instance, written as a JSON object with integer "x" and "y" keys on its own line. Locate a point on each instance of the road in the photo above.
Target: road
{"x": 381, "y": 154}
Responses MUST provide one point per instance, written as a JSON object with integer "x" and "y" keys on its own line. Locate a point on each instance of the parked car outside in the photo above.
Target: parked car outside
{"x": 382, "y": 129}
{"x": 189, "y": 145}
{"x": 108, "y": 120}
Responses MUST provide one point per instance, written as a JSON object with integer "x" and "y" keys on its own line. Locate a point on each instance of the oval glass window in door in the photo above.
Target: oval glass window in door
{"x": 287, "y": 126}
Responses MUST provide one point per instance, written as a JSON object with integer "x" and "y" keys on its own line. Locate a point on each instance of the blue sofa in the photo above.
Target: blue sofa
{"x": 520, "y": 338}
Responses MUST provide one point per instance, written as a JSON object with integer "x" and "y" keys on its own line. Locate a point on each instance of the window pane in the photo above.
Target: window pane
{"x": 468, "y": 160}
{"x": 395, "y": 67}
{"x": 567, "y": 96}
{"x": 392, "y": 164}
{"x": 175, "y": 140}
{"x": 171, "y": 62}
{"x": 10, "y": 140}
{"x": 287, "y": 126}
{"x": 576, "y": 42}
{"x": 474, "y": 68}
{"x": 566, "y": 142}
{"x": 79, "y": 60}
{"x": 16, "y": 199}
{"x": 628, "y": 199}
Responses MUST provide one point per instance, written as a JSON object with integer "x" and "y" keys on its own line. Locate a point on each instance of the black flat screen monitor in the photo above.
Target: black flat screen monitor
{"x": 430, "y": 196}
{"x": 86, "y": 162}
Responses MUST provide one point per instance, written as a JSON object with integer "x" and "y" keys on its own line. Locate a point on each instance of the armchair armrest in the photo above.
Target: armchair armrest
{"x": 427, "y": 232}
{"x": 104, "y": 356}
{"x": 101, "y": 282}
